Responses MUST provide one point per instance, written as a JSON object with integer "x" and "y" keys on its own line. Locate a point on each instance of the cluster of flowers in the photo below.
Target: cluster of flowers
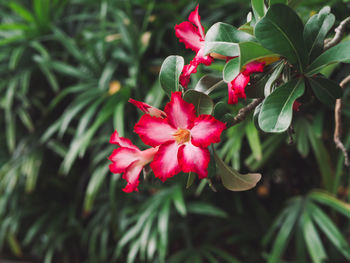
{"x": 191, "y": 33}
{"x": 178, "y": 138}
{"x": 179, "y": 141}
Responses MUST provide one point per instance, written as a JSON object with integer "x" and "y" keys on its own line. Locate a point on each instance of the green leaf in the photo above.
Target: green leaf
{"x": 272, "y": 79}
{"x": 222, "y": 38}
{"x": 170, "y": 73}
{"x": 233, "y": 180}
{"x": 338, "y": 53}
{"x": 190, "y": 179}
{"x": 277, "y": 109}
{"x": 301, "y": 137}
{"x": 258, "y": 8}
{"x": 273, "y": 2}
{"x": 330, "y": 230}
{"x": 248, "y": 52}
{"x": 253, "y": 140}
{"x": 94, "y": 185}
{"x": 326, "y": 198}
{"x": 21, "y": 11}
{"x": 179, "y": 201}
{"x": 202, "y": 102}
{"x": 326, "y": 90}
{"x": 285, "y": 233}
{"x": 312, "y": 239}
{"x": 209, "y": 83}
{"x": 281, "y": 31}
{"x": 205, "y": 209}
{"x": 316, "y": 30}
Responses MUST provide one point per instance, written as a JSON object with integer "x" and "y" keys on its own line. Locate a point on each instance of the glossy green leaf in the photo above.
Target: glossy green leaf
{"x": 338, "y": 53}
{"x": 281, "y": 31}
{"x": 248, "y": 52}
{"x": 277, "y": 109}
{"x": 316, "y": 30}
{"x": 202, "y": 102}
{"x": 222, "y": 38}
{"x": 330, "y": 230}
{"x": 170, "y": 73}
{"x": 312, "y": 239}
{"x": 233, "y": 180}
{"x": 258, "y": 8}
{"x": 326, "y": 90}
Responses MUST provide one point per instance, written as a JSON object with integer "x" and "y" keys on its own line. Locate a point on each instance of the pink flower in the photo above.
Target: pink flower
{"x": 183, "y": 138}
{"x": 191, "y": 33}
{"x": 236, "y": 87}
{"x": 130, "y": 160}
{"x": 144, "y": 107}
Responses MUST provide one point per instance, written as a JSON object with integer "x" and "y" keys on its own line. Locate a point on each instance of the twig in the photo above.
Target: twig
{"x": 242, "y": 113}
{"x": 338, "y": 123}
{"x": 339, "y": 32}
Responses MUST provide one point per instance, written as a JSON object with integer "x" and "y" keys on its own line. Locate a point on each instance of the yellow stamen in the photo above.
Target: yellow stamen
{"x": 182, "y": 135}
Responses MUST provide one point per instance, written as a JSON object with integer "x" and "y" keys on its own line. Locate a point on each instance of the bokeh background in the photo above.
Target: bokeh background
{"x": 67, "y": 69}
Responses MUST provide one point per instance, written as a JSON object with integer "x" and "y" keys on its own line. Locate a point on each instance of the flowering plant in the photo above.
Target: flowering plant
{"x": 273, "y": 59}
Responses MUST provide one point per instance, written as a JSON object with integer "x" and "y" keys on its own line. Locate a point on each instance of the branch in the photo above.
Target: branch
{"x": 338, "y": 123}
{"x": 242, "y": 113}
{"x": 339, "y": 32}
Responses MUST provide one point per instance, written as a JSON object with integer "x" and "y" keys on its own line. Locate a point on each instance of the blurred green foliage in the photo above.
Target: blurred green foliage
{"x": 67, "y": 69}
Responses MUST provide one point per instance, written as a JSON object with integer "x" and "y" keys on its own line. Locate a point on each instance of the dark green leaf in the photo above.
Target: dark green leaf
{"x": 316, "y": 30}
{"x": 272, "y": 79}
{"x": 277, "y": 109}
{"x": 338, "y": 53}
{"x": 202, "y": 102}
{"x": 205, "y": 209}
{"x": 326, "y": 90}
{"x": 170, "y": 73}
{"x": 281, "y": 31}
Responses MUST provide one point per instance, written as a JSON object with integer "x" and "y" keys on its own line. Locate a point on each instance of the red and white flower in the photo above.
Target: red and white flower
{"x": 236, "y": 87}
{"x": 130, "y": 160}
{"x": 191, "y": 33}
{"x": 182, "y": 137}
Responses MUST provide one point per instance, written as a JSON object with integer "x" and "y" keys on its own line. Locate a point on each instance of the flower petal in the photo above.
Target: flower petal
{"x": 206, "y": 130}
{"x": 154, "y": 131}
{"x": 165, "y": 163}
{"x": 188, "y": 34}
{"x": 254, "y": 66}
{"x": 121, "y": 158}
{"x": 181, "y": 114}
{"x": 154, "y": 112}
{"x": 236, "y": 88}
{"x": 131, "y": 175}
{"x": 194, "y": 159}
{"x": 195, "y": 19}
{"x": 121, "y": 141}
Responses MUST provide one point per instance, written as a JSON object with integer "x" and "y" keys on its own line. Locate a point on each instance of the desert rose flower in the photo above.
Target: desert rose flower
{"x": 129, "y": 160}
{"x": 182, "y": 137}
{"x": 236, "y": 87}
{"x": 191, "y": 33}
{"x": 144, "y": 107}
